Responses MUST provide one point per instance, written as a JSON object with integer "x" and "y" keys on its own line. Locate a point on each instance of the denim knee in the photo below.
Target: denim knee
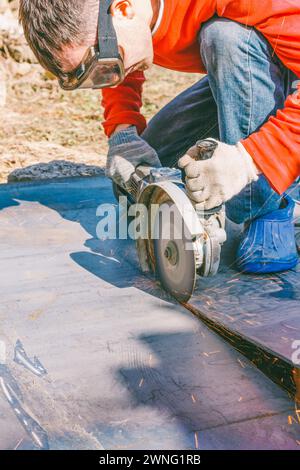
{"x": 220, "y": 42}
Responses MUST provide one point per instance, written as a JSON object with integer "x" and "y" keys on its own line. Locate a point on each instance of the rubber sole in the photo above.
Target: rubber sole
{"x": 265, "y": 268}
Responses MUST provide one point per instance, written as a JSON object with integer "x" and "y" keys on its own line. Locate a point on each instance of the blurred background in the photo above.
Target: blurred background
{"x": 46, "y": 132}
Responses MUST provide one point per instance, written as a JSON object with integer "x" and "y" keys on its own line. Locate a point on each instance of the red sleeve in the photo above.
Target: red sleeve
{"x": 122, "y": 104}
{"x": 275, "y": 148}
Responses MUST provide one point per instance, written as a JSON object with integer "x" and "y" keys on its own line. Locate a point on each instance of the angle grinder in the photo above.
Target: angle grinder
{"x": 183, "y": 241}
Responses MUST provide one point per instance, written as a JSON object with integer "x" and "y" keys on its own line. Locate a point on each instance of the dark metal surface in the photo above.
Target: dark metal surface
{"x": 259, "y": 314}
{"x": 95, "y": 355}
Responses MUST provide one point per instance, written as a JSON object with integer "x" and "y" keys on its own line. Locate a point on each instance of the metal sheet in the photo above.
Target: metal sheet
{"x": 259, "y": 314}
{"x": 95, "y": 355}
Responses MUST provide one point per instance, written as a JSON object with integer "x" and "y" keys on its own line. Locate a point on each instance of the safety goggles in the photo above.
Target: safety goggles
{"x": 102, "y": 66}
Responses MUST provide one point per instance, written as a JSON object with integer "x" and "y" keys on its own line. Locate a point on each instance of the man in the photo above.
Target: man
{"x": 249, "y": 101}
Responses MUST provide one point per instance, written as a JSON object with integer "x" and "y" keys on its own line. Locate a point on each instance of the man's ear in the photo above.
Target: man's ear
{"x": 123, "y": 9}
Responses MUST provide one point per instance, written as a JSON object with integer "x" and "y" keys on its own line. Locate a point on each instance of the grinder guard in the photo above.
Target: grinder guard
{"x": 204, "y": 230}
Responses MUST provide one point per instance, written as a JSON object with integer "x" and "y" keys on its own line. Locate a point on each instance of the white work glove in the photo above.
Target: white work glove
{"x": 215, "y": 181}
{"x": 127, "y": 151}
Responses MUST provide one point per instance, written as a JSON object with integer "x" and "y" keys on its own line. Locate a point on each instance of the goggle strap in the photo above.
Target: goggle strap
{"x": 107, "y": 38}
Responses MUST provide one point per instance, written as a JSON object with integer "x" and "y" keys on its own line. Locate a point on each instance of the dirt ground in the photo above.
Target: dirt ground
{"x": 41, "y": 124}
{"x": 46, "y": 132}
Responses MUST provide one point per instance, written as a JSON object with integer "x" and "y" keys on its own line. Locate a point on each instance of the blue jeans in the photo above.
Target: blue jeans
{"x": 245, "y": 84}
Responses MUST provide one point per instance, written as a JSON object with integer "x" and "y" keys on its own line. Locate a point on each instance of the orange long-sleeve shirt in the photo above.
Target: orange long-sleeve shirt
{"x": 275, "y": 148}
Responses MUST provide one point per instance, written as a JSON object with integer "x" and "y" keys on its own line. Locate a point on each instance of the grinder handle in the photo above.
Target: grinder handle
{"x": 203, "y": 150}
{"x": 143, "y": 170}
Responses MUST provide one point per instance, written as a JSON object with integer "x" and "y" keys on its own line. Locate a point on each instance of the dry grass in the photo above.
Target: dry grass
{"x": 41, "y": 123}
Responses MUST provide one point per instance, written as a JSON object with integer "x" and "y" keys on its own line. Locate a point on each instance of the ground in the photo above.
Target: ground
{"x": 42, "y": 124}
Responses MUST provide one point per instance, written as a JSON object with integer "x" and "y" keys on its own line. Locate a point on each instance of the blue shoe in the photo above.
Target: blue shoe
{"x": 268, "y": 244}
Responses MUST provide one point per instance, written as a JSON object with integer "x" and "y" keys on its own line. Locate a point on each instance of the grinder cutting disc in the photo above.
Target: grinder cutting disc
{"x": 175, "y": 262}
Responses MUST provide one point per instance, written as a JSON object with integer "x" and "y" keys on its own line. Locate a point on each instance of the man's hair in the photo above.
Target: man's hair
{"x": 49, "y": 25}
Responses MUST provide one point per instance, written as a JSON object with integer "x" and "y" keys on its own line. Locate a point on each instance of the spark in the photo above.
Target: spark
{"x": 213, "y": 352}
{"x": 291, "y": 419}
{"x": 19, "y": 443}
{"x": 298, "y": 414}
{"x": 240, "y": 399}
{"x": 150, "y": 360}
{"x": 250, "y": 322}
{"x": 196, "y": 441}
{"x": 233, "y": 280}
{"x": 290, "y": 327}
{"x": 193, "y": 398}
{"x": 141, "y": 383}
{"x": 241, "y": 363}
{"x": 230, "y": 317}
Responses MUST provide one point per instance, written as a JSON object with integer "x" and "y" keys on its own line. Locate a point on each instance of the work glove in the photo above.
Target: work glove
{"x": 215, "y": 181}
{"x": 127, "y": 151}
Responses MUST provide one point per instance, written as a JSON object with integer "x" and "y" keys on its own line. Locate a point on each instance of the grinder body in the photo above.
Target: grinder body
{"x": 183, "y": 241}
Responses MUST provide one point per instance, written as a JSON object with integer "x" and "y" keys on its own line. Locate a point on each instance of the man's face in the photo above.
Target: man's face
{"x": 132, "y": 20}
